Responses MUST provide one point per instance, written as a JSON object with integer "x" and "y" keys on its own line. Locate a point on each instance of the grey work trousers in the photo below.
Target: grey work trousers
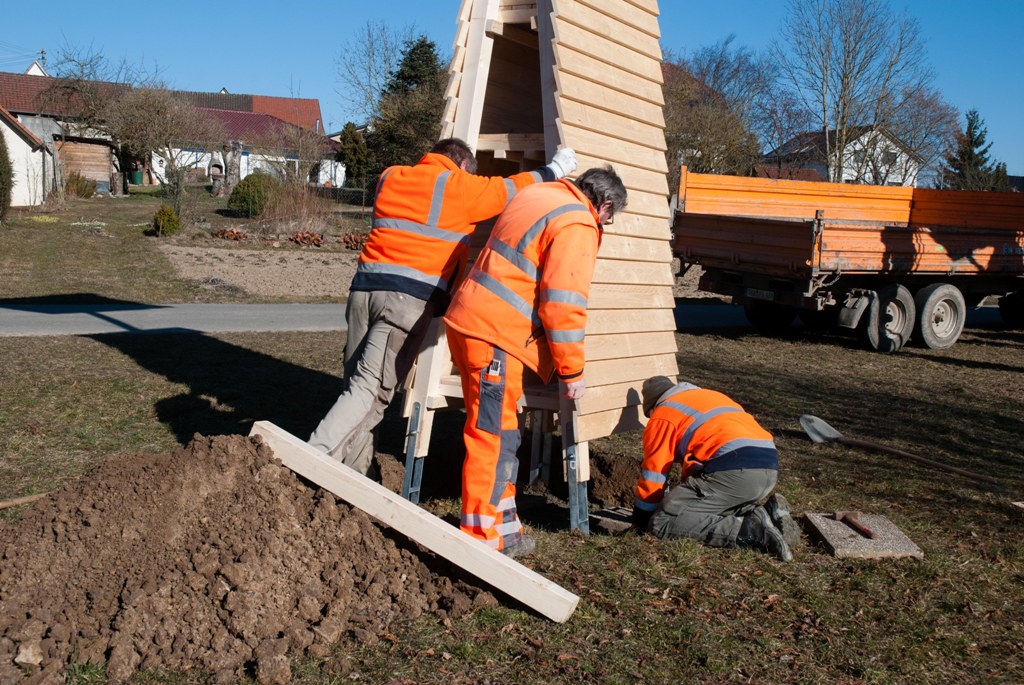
{"x": 385, "y": 331}
{"x": 709, "y": 507}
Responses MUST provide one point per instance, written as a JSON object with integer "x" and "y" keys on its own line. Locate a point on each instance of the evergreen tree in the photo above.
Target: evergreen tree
{"x": 419, "y": 66}
{"x": 967, "y": 166}
{"x": 409, "y": 119}
{"x": 353, "y": 153}
{"x": 6, "y": 178}
{"x": 1000, "y": 179}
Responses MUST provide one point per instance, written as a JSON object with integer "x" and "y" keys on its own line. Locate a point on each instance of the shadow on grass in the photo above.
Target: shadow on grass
{"x": 227, "y": 387}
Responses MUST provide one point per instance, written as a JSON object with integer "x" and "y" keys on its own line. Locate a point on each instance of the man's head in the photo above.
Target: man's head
{"x": 457, "y": 151}
{"x": 604, "y": 189}
{"x": 654, "y": 387}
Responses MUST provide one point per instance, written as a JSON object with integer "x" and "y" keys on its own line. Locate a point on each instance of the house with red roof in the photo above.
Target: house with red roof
{"x": 31, "y": 162}
{"x": 263, "y": 125}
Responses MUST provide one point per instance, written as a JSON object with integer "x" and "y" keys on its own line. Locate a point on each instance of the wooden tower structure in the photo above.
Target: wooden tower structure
{"x": 527, "y": 78}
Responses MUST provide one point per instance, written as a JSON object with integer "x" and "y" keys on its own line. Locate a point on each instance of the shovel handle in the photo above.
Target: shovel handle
{"x": 863, "y": 444}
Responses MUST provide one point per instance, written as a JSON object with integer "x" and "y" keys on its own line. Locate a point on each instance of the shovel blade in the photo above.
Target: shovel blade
{"x": 819, "y": 431}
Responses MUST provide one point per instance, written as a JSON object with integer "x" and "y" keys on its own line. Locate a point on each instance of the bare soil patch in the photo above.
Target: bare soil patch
{"x": 212, "y": 557}
{"x": 272, "y": 272}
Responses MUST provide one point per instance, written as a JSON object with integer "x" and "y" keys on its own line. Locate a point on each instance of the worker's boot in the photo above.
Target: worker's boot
{"x": 778, "y": 509}
{"x": 758, "y": 532}
{"x": 525, "y": 547}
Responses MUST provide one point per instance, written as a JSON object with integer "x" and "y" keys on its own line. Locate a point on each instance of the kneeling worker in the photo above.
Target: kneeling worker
{"x": 728, "y": 462}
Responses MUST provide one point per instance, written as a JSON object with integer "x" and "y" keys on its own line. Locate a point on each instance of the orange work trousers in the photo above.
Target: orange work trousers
{"x": 492, "y": 383}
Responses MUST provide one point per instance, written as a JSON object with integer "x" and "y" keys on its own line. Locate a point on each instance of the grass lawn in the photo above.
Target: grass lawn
{"x": 651, "y": 611}
{"x": 100, "y": 248}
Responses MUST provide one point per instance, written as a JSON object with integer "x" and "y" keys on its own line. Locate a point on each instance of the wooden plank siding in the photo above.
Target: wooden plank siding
{"x": 91, "y": 160}
{"x": 593, "y": 84}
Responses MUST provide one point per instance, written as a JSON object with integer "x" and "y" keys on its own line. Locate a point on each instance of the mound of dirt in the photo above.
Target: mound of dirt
{"x": 213, "y": 557}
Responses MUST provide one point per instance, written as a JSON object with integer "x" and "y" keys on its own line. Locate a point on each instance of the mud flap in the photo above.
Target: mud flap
{"x": 854, "y": 307}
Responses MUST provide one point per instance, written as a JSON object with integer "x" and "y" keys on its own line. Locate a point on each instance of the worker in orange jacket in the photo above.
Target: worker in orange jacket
{"x": 523, "y": 305}
{"x": 423, "y": 217}
{"x": 728, "y": 462}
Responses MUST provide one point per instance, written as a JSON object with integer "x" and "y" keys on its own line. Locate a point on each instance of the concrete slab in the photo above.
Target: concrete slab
{"x": 845, "y": 543}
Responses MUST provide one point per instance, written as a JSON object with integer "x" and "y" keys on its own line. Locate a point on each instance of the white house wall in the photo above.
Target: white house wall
{"x": 28, "y": 166}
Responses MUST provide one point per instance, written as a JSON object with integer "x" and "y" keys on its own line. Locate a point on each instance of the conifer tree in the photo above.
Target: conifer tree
{"x": 6, "y": 179}
{"x": 967, "y": 165}
{"x": 353, "y": 153}
{"x": 409, "y": 118}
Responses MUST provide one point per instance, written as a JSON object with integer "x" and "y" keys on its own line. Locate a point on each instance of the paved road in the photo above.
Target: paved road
{"x": 35, "y": 320}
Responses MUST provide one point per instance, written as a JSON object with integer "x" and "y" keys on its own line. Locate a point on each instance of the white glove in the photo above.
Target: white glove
{"x": 563, "y": 163}
{"x": 574, "y": 390}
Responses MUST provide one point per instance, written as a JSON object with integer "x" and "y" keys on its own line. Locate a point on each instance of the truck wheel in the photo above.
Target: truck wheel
{"x": 1011, "y": 308}
{"x": 769, "y": 318}
{"x": 941, "y": 311}
{"x": 889, "y": 321}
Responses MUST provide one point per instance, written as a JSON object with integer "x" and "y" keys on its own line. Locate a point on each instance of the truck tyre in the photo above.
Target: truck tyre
{"x": 1011, "y": 308}
{"x": 889, "y": 321}
{"x": 941, "y": 311}
{"x": 769, "y": 318}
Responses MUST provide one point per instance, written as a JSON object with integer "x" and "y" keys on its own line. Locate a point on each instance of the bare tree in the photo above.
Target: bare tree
{"x": 702, "y": 130}
{"x": 365, "y": 65}
{"x": 853, "y": 63}
{"x": 153, "y": 121}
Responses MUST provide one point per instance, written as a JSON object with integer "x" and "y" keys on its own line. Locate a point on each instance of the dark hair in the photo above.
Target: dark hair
{"x": 601, "y": 185}
{"x": 457, "y": 151}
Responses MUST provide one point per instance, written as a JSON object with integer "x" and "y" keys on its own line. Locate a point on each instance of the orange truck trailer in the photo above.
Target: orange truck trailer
{"x": 893, "y": 263}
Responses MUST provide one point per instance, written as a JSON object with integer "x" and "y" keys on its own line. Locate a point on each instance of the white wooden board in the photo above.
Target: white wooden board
{"x": 465, "y": 551}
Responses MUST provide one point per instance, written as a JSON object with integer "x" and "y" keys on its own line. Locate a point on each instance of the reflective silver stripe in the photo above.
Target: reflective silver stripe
{"x": 739, "y": 443}
{"x": 506, "y": 504}
{"x": 510, "y": 188}
{"x": 509, "y": 253}
{"x": 644, "y": 506}
{"x": 437, "y": 202}
{"x": 563, "y": 297}
{"x": 420, "y": 229}
{"x": 572, "y": 336}
{"x": 682, "y": 408}
{"x": 403, "y": 271}
{"x": 701, "y": 419}
{"x": 531, "y": 233}
{"x": 477, "y": 521}
{"x": 506, "y": 294}
{"x": 510, "y": 528}
{"x": 380, "y": 184}
{"x": 654, "y": 476}
{"x": 537, "y": 176}
{"x": 678, "y": 388}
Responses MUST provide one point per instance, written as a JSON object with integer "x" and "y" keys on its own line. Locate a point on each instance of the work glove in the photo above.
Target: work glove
{"x": 574, "y": 389}
{"x": 640, "y": 518}
{"x": 563, "y": 163}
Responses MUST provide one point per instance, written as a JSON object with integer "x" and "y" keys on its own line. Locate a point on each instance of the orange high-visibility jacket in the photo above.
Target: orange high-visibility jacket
{"x": 704, "y": 431}
{"x": 527, "y": 292}
{"x": 423, "y": 217}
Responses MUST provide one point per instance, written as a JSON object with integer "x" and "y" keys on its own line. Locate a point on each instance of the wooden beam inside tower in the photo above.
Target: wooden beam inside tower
{"x": 530, "y": 77}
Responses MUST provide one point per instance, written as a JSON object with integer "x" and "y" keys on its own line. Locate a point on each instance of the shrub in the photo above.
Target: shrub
{"x": 77, "y": 185}
{"x": 6, "y": 179}
{"x": 250, "y": 196}
{"x": 166, "y": 221}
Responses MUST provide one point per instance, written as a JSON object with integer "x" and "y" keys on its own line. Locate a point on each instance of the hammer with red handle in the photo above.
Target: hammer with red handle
{"x": 852, "y": 519}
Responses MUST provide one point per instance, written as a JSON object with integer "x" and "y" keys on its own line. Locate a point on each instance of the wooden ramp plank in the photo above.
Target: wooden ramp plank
{"x": 491, "y": 566}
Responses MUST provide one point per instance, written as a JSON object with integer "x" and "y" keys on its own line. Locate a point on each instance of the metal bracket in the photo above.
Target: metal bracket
{"x": 413, "y": 464}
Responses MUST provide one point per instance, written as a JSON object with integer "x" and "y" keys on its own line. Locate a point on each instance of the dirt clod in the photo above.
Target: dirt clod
{"x": 213, "y": 557}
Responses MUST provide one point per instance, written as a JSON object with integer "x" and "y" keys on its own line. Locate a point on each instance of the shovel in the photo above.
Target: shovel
{"x": 819, "y": 431}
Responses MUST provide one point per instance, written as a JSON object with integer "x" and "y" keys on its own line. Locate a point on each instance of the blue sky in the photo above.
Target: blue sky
{"x": 293, "y": 49}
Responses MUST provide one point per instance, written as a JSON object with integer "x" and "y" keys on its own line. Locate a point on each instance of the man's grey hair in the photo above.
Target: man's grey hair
{"x": 602, "y": 185}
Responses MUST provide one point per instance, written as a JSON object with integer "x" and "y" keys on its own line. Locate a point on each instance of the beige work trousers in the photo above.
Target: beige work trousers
{"x": 385, "y": 331}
